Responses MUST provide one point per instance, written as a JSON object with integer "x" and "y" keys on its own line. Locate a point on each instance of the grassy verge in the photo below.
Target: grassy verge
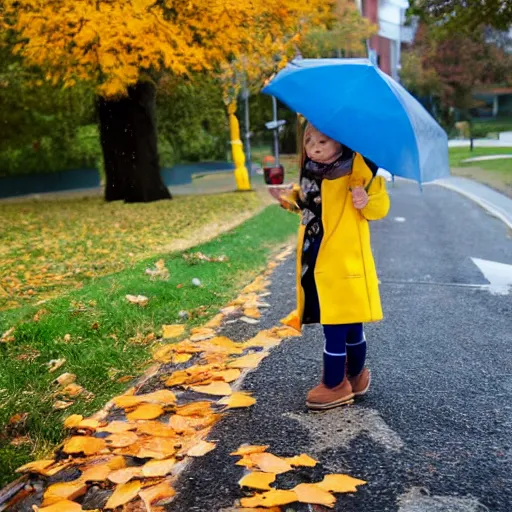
{"x": 494, "y": 173}
{"x": 104, "y": 338}
{"x": 51, "y": 247}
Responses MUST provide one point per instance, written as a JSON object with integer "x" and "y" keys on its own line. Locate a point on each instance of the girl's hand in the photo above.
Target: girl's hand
{"x": 359, "y": 197}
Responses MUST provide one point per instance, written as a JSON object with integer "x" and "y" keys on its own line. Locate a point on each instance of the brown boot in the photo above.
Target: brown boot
{"x": 322, "y": 398}
{"x": 360, "y": 383}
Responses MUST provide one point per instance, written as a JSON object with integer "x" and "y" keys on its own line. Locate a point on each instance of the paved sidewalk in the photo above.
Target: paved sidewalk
{"x": 495, "y": 203}
{"x": 480, "y": 143}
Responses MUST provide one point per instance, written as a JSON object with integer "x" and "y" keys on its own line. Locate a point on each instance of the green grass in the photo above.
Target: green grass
{"x": 100, "y": 324}
{"x": 494, "y": 173}
{"x": 51, "y": 247}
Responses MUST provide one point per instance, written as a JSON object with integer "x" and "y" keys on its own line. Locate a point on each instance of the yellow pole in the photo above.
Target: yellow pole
{"x": 241, "y": 172}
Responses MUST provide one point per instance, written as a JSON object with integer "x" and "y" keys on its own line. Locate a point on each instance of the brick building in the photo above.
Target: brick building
{"x": 385, "y": 47}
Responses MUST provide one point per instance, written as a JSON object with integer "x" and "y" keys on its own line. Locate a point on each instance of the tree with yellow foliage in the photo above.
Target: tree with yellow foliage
{"x": 123, "y": 47}
{"x": 323, "y": 30}
{"x": 344, "y": 35}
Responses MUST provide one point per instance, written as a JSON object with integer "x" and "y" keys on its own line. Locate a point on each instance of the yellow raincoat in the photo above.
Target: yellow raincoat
{"x": 345, "y": 274}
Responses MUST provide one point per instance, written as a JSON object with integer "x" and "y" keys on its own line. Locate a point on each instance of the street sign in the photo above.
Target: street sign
{"x": 274, "y": 125}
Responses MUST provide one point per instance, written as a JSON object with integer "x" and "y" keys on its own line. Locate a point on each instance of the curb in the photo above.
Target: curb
{"x": 491, "y": 208}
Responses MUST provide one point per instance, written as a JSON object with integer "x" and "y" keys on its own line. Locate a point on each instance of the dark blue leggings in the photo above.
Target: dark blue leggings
{"x": 344, "y": 344}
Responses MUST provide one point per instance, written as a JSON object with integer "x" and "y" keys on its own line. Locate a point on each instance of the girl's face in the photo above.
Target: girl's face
{"x": 319, "y": 147}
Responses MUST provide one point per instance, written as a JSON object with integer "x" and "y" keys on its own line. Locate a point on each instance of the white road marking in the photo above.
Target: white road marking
{"x": 399, "y": 219}
{"x": 339, "y": 427}
{"x": 499, "y": 275}
{"x": 419, "y": 500}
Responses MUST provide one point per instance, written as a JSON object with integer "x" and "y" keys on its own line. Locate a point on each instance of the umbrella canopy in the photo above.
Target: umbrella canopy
{"x": 355, "y": 103}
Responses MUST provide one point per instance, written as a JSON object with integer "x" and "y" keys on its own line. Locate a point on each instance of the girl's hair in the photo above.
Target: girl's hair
{"x": 303, "y": 128}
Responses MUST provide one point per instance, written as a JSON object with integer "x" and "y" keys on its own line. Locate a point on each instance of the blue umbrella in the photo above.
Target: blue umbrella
{"x": 353, "y": 102}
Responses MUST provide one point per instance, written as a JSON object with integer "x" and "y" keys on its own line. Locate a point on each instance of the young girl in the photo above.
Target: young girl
{"x": 337, "y": 283}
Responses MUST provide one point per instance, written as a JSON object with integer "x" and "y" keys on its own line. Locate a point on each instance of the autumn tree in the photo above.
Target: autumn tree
{"x": 275, "y": 37}
{"x": 466, "y": 16}
{"x": 344, "y": 35}
{"x": 452, "y": 66}
{"x": 314, "y": 30}
{"x": 124, "y": 47}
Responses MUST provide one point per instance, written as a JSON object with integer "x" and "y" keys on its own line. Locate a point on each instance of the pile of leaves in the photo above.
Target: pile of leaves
{"x": 51, "y": 247}
{"x": 132, "y": 451}
{"x": 264, "y": 467}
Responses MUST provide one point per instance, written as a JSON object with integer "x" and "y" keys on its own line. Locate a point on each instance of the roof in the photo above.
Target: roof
{"x": 497, "y": 91}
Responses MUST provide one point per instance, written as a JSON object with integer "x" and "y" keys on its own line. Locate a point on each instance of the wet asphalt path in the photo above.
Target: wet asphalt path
{"x": 435, "y": 432}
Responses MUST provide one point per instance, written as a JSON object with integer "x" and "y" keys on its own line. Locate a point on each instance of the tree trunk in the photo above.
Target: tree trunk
{"x": 129, "y": 143}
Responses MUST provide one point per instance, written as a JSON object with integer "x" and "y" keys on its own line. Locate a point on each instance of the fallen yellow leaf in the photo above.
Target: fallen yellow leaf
{"x": 121, "y": 476}
{"x": 222, "y": 344}
{"x": 181, "y": 358}
{"x": 122, "y": 440}
{"x": 287, "y": 332}
{"x": 157, "y": 448}
{"x": 248, "y": 361}
{"x": 173, "y": 331}
{"x": 269, "y": 463}
{"x": 292, "y": 320}
{"x": 246, "y": 462}
{"x": 64, "y": 491}
{"x": 186, "y": 347}
{"x": 117, "y": 427}
{"x": 226, "y": 375}
{"x": 273, "y": 498}
{"x": 60, "y": 405}
{"x": 264, "y": 339}
{"x": 314, "y": 495}
{"x": 215, "y": 322}
{"x": 156, "y": 429}
{"x": 164, "y": 354}
{"x": 179, "y": 424}
{"x": 160, "y": 493}
{"x": 56, "y": 468}
{"x": 36, "y": 466}
{"x": 162, "y": 396}
{"x": 203, "y": 422}
{"x": 340, "y": 483}
{"x": 156, "y": 468}
{"x": 200, "y": 449}
{"x": 302, "y": 460}
{"x": 145, "y": 412}
{"x": 89, "y": 424}
{"x": 124, "y": 493}
{"x": 73, "y": 421}
{"x": 100, "y": 472}
{"x": 139, "y": 300}
{"x": 71, "y": 390}
{"x": 202, "y": 334}
{"x": 65, "y": 379}
{"x": 217, "y": 388}
{"x": 249, "y": 449}
{"x": 84, "y": 444}
{"x": 252, "y": 313}
{"x": 229, "y": 310}
{"x": 258, "y": 480}
{"x": 55, "y": 364}
{"x": 62, "y": 506}
{"x": 202, "y": 408}
{"x": 238, "y": 400}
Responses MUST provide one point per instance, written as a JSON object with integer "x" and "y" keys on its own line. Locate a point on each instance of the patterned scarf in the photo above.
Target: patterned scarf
{"x": 312, "y": 175}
